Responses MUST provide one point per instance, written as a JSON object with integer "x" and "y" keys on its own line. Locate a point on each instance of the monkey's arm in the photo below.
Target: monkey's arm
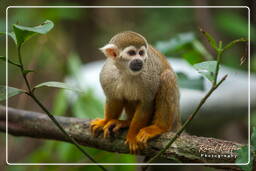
{"x": 166, "y": 115}
{"x": 113, "y": 110}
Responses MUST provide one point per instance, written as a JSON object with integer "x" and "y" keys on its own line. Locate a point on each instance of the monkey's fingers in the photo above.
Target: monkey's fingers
{"x": 95, "y": 121}
{"x": 117, "y": 128}
{"x": 106, "y": 133}
{"x": 119, "y": 125}
{"x": 96, "y": 125}
{"x": 143, "y": 137}
{"x": 107, "y": 128}
{"x": 133, "y": 146}
{"x": 96, "y": 130}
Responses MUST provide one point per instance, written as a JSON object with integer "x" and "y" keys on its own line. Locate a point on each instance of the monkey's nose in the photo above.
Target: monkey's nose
{"x": 136, "y": 65}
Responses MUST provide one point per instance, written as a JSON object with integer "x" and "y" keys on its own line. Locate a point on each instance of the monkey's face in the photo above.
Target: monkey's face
{"x": 131, "y": 59}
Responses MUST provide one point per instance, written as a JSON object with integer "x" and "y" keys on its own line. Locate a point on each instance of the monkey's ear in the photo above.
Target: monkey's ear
{"x": 110, "y": 50}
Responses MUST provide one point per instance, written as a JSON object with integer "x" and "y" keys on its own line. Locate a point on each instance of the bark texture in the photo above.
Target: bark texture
{"x": 187, "y": 148}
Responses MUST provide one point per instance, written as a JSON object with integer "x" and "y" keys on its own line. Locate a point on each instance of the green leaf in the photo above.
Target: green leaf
{"x": 207, "y": 69}
{"x": 56, "y": 85}
{"x": 242, "y": 157}
{"x": 9, "y": 61}
{"x": 23, "y": 33}
{"x": 199, "y": 47}
{"x": 210, "y": 39}
{"x": 184, "y": 44}
{"x": 232, "y": 43}
{"x": 192, "y": 57}
{"x": 13, "y": 36}
{"x": 11, "y": 92}
{"x": 175, "y": 43}
{"x": 26, "y": 71}
{"x": 191, "y": 83}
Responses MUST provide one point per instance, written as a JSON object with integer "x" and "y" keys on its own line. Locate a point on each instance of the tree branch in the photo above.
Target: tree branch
{"x": 186, "y": 148}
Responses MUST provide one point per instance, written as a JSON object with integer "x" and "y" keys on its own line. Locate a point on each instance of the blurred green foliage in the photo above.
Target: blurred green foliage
{"x": 225, "y": 22}
{"x": 185, "y": 45}
{"x": 190, "y": 83}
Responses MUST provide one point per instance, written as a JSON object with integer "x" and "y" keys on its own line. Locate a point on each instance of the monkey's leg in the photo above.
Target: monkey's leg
{"x": 166, "y": 115}
{"x": 140, "y": 119}
{"x": 115, "y": 125}
{"x": 113, "y": 109}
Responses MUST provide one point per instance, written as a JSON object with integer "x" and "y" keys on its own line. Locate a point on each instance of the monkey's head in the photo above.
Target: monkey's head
{"x": 128, "y": 50}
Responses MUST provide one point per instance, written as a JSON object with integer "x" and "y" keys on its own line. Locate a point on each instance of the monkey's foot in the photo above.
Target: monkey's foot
{"x": 133, "y": 145}
{"x": 97, "y": 125}
{"x": 147, "y": 133}
{"x": 114, "y": 125}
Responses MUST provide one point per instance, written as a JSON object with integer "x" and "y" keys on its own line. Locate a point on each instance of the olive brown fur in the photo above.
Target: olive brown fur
{"x": 149, "y": 95}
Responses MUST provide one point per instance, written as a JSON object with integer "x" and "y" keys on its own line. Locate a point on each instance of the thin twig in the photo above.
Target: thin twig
{"x": 186, "y": 123}
{"x": 32, "y": 95}
{"x": 219, "y": 53}
{"x": 22, "y": 69}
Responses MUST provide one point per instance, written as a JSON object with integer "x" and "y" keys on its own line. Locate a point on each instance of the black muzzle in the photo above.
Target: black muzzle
{"x": 136, "y": 65}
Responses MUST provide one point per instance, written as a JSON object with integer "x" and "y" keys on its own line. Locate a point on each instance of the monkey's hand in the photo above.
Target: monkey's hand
{"x": 147, "y": 133}
{"x": 97, "y": 125}
{"x": 133, "y": 144}
{"x": 114, "y": 125}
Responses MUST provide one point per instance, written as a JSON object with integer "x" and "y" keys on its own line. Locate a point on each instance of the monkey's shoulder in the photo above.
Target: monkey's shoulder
{"x": 109, "y": 72}
{"x": 159, "y": 57}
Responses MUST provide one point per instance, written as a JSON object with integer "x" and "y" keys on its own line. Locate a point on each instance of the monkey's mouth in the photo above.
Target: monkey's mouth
{"x": 136, "y": 65}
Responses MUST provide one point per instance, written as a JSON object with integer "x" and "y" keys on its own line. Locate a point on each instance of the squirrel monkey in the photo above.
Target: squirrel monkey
{"x": 138, "y": 79}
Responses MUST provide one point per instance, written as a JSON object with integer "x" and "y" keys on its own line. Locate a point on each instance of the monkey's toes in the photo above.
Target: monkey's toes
{"x": 95, "y": 130}
{"x": 97, "y": 125}
{"x": 134, "y": 146}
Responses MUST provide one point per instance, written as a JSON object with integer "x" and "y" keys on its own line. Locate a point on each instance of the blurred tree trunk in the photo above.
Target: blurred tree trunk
{"x": 204, "y": 20}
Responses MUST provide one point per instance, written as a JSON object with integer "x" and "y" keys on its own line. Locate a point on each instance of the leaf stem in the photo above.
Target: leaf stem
{"x": 219, "y": 53}
{"x": 22, "y": 69}
{"x": 9, "y": 61}
{"x": 32, "y": 95}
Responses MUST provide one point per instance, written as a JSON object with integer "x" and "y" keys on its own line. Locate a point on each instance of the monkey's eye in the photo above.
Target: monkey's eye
{"x": 141, "y": 52}
{"x": 131, "y": 52}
